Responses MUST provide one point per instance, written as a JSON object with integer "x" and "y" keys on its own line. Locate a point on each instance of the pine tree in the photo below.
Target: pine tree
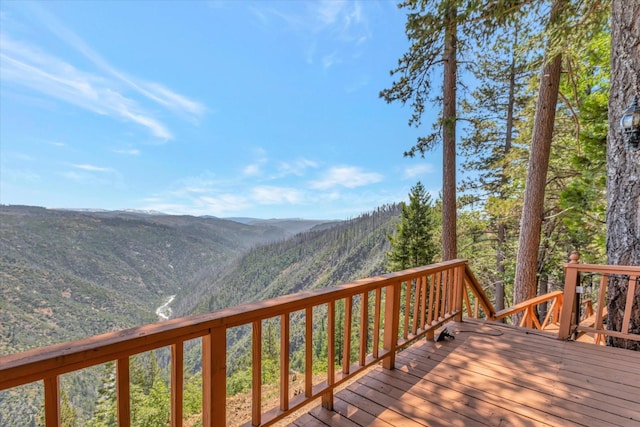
{"x": 413, "y": 244}
{"x": 623, "y": 166}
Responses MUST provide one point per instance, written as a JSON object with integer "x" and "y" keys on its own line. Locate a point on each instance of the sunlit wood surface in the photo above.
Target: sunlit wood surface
{"x": 492, "y": 375}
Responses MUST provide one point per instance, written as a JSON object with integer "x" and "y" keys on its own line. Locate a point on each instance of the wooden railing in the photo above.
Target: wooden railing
{"x": 406, "y": 305}
{"x": 480, "y": 299}
{"x": 627, "y": 280}
{"x": 528, "y": 308}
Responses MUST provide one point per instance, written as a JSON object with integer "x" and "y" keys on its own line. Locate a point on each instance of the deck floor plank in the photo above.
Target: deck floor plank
{"x": 523, "y": 388}
{"x": 580, "y": 386}
{"x": 493, "y": 375}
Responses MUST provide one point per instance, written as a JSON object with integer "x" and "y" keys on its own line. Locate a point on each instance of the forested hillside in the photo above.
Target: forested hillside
{"x": 321, "y": 257}
{"x": 69, "y": 274}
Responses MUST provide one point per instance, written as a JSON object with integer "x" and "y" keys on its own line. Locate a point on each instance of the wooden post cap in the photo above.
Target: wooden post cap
{"x": 574, "y": 257}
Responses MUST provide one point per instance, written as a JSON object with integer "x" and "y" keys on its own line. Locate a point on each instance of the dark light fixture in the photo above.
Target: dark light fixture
{"x": 630, "y": 124}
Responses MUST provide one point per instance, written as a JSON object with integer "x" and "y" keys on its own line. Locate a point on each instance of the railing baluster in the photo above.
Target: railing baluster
{"x": 416, "y": 306}
{"x": 438, "y": 285}
{"x": 391, "y": 324}
{"x": 450, "y": 290}
{"x": 214, "y": 378}
{"x": 552, "y": 309}
{"x": 177, "y": 383}
{"x": 364, "y": 327}
{"x": 628, "y": 308}
{"x": 430, "y": 308}
{"x": 256, "y": 372}
{"x": 284, "y": 362}
{"x": 52, "y": 401}
{"x": 122, "y": 391}
{"x": 459, "y": 289}
{"x": 327, "y": 396}
{"x": 376, "y": 323}
{"x": 407, "y": 308}
{"x": 446, "y": 280}
{"x": 467, "y": 303}
{"x": 602, "y": 292}
{"x": 423, "y": 301}
{"x": 308, "y": 352}
{"x": 346, "y": 347}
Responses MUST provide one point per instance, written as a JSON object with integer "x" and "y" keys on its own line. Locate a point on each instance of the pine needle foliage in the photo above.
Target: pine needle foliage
{"x": 413, "y": 243}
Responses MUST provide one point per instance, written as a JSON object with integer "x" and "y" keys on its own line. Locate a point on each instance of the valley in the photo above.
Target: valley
{"x": 66, "y": 274}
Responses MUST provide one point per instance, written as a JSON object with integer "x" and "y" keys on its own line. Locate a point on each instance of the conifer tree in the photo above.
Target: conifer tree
{"x": 623, "y": 166}
{"x": 413, "y": 244}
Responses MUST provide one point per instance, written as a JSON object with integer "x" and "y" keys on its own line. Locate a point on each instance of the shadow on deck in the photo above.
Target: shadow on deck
{"x": 493, "y": 375}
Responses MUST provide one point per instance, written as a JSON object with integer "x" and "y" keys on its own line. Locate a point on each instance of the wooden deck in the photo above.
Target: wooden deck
{"x": 493, "y": 375}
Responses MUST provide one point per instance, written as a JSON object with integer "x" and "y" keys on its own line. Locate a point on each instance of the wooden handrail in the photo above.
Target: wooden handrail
{"x": 568, "y": 324}
{"x": 525, "y": 305}
{"x": 434, "y": 291}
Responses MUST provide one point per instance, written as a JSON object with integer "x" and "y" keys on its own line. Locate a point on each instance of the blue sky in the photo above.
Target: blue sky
{"x": 228, "y": 108}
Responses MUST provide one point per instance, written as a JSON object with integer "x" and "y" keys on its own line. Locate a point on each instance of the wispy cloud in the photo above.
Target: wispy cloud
{"x": 128, "y": 152}
{"x": 251, "y": 170}
{"x": 92, "y": 168}
{"x": 97, "y": 176}
{"x": 319, "y": 23}
{"x": 271, "y": 195}
{"x": 297, "y": 167}
{"x": 260, "y": 159}
{"x": 106, "y": 91}
{"x": 346, "y": 176}
{"x": 421, "y": 169}
{"x": 27, "y": 66}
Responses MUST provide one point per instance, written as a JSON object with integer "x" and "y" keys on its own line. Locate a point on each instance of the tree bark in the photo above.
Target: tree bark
{"x": 533, "y": 207}
{"x": 502, "y": 226}
{"x": 623, "y": 166}
{"x": 449, "y": 235}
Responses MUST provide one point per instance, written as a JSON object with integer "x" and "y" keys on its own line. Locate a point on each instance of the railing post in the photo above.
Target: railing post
{"x": 214, "y": 378}
{"x": 256, "y": 373}
{"x": 52, "y": 401}
{"x": 570, "y": 282}
{"x": 123, "y": 392}
{"x": 284, "y": 362}
{"x": 177, "y": 383}
{"x": 391, "y": 324}
{"x": 308, "y": 352}
{"x": 327, "y": 396}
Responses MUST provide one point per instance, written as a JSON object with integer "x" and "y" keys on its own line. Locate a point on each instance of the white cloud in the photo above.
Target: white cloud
{"x": 128, "y": 152}
{"x": 271, "y": 195}
{"x": 319, "y": 24}
{"x": 223, "y": 203}
{"x": 329, "y": 60}
{"x": 27, "y": 66}
{"x": 92, "y": 168}
{"x": 421, "y": 169}
{"x": 346, "y": 176}
{"x": 109, "y": 91}
{"x": 297, "y": 167}
{"x": 251, "y": 170}
{"x": 73, "y": 176}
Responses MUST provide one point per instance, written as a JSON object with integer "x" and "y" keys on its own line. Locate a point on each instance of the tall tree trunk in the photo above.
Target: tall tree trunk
{"x": 623, "y": 165}
{"x": 502, "y": 226}
{"x": 449, "y": 235}
{"x": 533, "y": 207}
